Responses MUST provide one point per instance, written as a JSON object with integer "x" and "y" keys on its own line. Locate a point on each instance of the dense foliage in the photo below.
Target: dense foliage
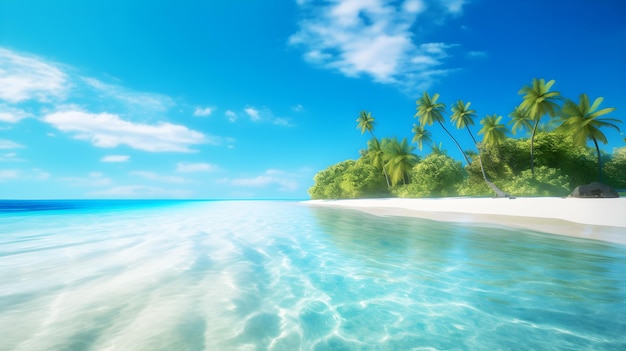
{"x": 550, "y": 160}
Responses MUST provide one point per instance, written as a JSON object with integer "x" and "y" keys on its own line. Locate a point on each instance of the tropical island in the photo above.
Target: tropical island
{"x": 550, "y": 157}
{"x": 548, "y": 163}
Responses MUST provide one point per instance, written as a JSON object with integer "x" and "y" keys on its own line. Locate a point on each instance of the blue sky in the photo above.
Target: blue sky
{"x": 249, "y": 99}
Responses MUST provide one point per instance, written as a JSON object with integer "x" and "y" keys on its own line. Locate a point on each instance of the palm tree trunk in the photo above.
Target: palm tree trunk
{"x": 595, "y": 142}
{"x": 499, "y": 193}
{"x": 532, "y": 145}
{"x": 384, "y": 168}
{"x": 457, "y": 144}
{"x": 386, "y": 175}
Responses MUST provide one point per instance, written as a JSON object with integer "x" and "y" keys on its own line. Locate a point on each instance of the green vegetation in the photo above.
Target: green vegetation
{"x": 560, "y": 158}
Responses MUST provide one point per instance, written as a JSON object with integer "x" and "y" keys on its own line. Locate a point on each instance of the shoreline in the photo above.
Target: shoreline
{"x": 597, "y": 219}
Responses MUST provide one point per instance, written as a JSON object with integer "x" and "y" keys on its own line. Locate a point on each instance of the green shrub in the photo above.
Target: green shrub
{"x": 436, "y": 175}
{"x": 547, "y": 182}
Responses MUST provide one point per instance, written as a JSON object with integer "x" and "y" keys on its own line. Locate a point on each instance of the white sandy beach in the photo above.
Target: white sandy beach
{"x": 600, "y": 219}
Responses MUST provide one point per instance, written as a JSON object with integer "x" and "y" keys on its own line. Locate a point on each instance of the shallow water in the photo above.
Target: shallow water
{"x": 263, "y": 275}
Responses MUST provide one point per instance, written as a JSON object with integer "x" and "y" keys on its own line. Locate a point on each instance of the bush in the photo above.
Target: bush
{"x": 547, "y": 182}
{"x": 347, "y": 180}
{"x": 436, "y": 175}
{"x": 615, "y": 169}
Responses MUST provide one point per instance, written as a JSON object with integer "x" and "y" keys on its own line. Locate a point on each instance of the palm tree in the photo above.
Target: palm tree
{"x": 437, "y": 149}
{"x": 493, "y": 133}
{"x": 366, "y": 122}
{"x": 538, "y": 101}
{"x": 400, "y": 159}
{"x": 463, "y": 117}
{"x": 520, "y": 120}
{"x": 377, "y": 156}
{"x": 421, "y": 136}
{"x": 583, "y": 122}
{"x": 430, "y": 111}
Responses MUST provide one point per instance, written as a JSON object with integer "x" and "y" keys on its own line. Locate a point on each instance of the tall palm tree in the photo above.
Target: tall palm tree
{"x": 463, "y": 117}
{"x": 493, "y": 133}
{"x": 400, "y": 159}
{"x": 421, "y": 136}
{"x": 583, "y": 122}
{"x": 430, "y": 111}
{"x": 520, "y": 120}
{"x": 539, "y": 101}
{"x": 377, "y": 157}
{"x": 366, "y": 122}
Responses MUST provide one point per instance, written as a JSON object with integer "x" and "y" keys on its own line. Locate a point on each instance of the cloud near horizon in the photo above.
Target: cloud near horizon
{"x": 272, "y": 177}
{"x": 374, "y": 38}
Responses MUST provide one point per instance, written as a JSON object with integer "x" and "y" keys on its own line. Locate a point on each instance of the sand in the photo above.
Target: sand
{"x": 599, "y": 219}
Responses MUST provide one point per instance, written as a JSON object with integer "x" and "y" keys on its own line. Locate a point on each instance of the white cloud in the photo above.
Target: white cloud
{"x": 272, "y": 177}
{"x": 232, "y": 116}
{"x": 10, "y": 157}
{"x": 297, "y": 108}
{"x": 282, "y": 121}
{"x": 8, "y": 174}
{"x": 25, "y": 78}
{"x": 203, "y": 112}
{"x": 11, "y": 115}
{"x": 265, "y": 115}
{"x": 477, "y": 54}
{"x": 39, "y": 174}
{"x": 14, "y": 174}
{"x": 135, "y": 102}
{"x": 195, "y": 167}
{"x": 159, "y": 178}
{"x": 254, "y": 114}
{"x": 93, "y": 180}
{"x": 115, "y": 158}
{"x": 140, "y": 191}
{"x": 454, "y": 6}
{"x": 8, "y": 144}
{"x": 372, "y": 38}
{"x": 414, "y": 6}
{"x": 109, "y": 130}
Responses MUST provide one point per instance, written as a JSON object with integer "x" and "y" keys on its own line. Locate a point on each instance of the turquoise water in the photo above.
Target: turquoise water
{"x": 263, "y": 275}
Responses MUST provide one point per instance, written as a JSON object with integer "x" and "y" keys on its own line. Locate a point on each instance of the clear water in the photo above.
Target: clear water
{"x": 283, "y": 276}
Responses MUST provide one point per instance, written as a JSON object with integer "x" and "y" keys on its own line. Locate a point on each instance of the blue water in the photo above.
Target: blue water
{"x": 263, "y": 275}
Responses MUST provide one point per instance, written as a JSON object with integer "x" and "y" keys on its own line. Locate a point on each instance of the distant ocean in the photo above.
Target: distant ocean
{"x": 279, "y": 275}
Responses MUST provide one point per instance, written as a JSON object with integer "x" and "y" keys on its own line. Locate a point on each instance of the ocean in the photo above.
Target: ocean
{"x": 281, "y": 275}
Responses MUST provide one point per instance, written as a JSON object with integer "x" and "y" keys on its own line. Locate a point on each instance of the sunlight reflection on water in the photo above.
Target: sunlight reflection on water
{"x": 263, "y": 275}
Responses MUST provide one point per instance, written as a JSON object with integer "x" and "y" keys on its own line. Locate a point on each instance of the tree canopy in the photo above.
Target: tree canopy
{"x": 561, "y": 158}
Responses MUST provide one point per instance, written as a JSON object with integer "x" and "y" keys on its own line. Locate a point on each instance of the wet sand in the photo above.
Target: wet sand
{"x": 598, "y": 219}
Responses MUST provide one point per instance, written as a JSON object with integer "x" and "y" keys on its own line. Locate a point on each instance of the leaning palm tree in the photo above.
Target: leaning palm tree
{"x": 377, "y": 157}
{"x": 463, "y": 117}
{"x": 493, "y": 133}
{"x": 582, "y": 121}
{"x": 539, "y": 101}
{"x": 430, "y": 111}
{"x": 366, "y": 122}
{"x": 520, "y": 120}
{"x": 400, "y": 159}
{"x": 421, "y": 136}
